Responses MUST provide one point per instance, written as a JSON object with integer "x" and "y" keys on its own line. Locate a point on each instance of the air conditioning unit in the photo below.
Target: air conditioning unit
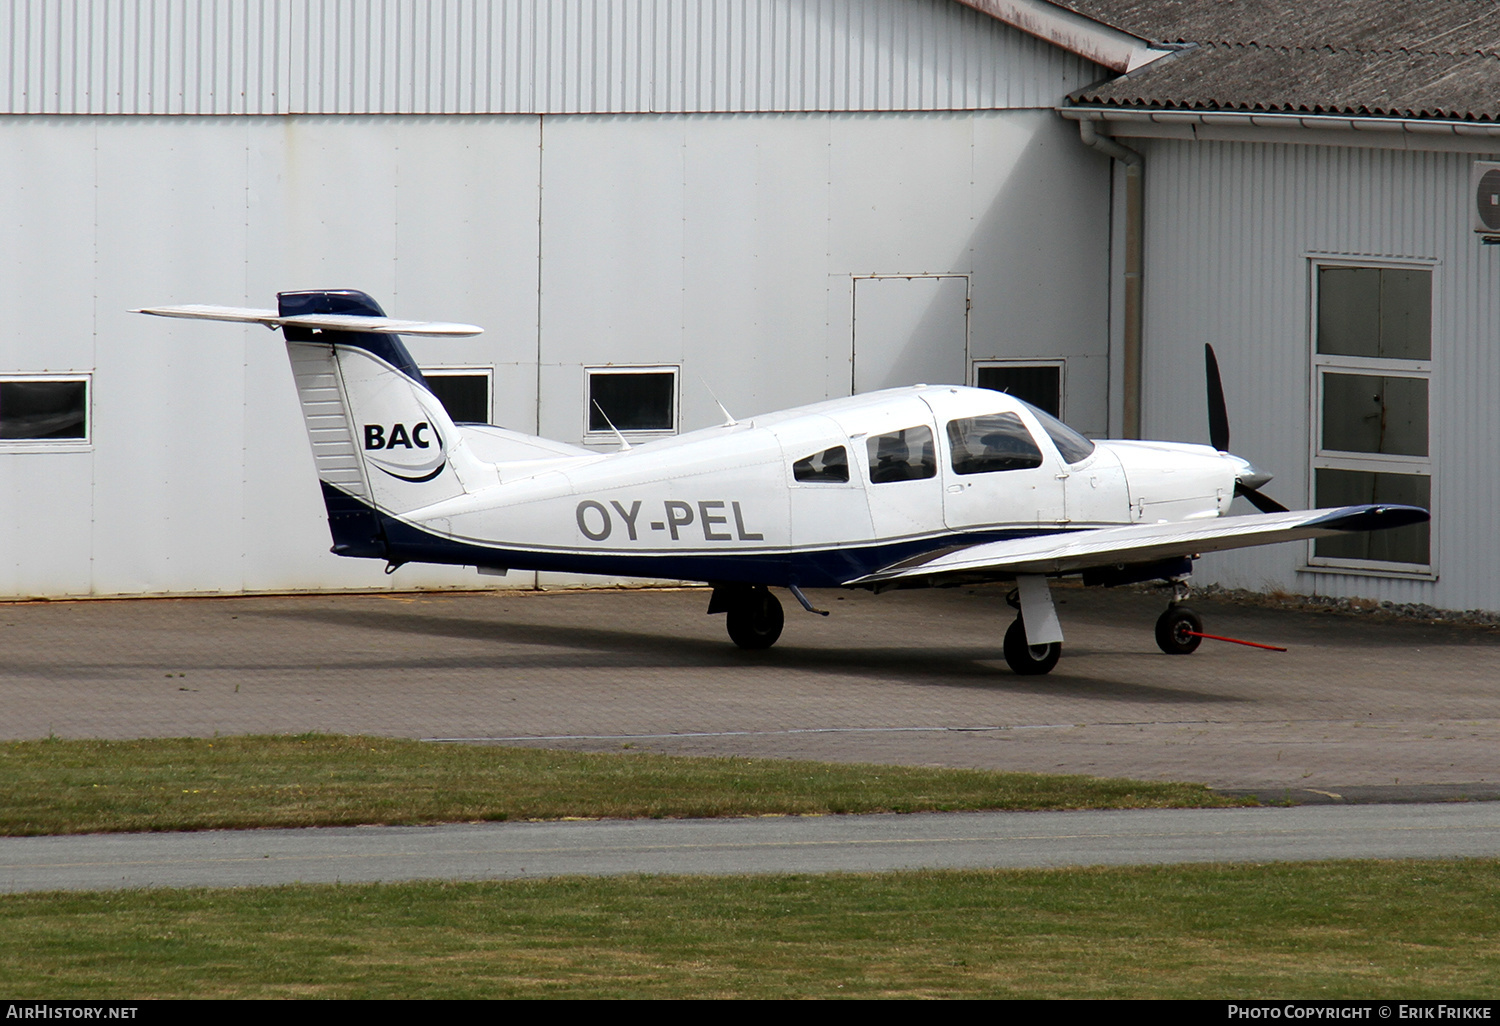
{"x": 1484, "y": 188}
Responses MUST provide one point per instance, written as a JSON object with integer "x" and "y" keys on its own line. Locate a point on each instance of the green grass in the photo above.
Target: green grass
{"x": 60, "y": 787}
{"x": 1326, "y": 930}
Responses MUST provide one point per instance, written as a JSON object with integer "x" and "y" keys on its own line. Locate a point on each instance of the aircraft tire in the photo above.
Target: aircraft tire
{"x": 1029, "y": 660}
{"x": 755, "y": 620}
{"x": 1172, "y": 631}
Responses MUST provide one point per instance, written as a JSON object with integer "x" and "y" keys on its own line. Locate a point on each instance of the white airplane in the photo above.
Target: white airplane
{"x": 929, "y": 485}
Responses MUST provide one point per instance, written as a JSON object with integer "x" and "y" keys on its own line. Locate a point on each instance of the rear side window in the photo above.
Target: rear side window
{"x": 905, "y": 455}
{"x": 994, "y": 442}
{"x": 828, "y": 465}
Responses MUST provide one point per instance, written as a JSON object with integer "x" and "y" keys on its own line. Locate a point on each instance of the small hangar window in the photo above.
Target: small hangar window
{"x": 40, "y": 409}
{"x": 463, "y": 391}
{"x": 641, "y": 399}
{"x": 1040, "y": 384}
{"x": 1372, "y": 368}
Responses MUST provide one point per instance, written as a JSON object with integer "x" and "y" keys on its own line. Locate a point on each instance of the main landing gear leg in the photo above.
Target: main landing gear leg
{"x": 1034, "y": 641}
{"x": 754, "y": 615}
{"x": 1178, "y": 629}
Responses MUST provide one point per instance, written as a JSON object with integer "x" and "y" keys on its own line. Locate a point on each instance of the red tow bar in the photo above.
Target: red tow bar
{"x": 1236, "y": 641}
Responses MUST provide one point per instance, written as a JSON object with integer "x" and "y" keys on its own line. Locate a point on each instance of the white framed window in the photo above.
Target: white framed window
{"x": 1038, "y": 382}
{"x": 45, "y": 411}
{"x": 1371, "y": 387}
{"x": 465, "y": 392}
{"x": 635, "y": 401}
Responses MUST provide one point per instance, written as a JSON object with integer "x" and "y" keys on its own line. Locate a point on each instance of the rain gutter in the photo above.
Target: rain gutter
{"x": 1307, "y": 129}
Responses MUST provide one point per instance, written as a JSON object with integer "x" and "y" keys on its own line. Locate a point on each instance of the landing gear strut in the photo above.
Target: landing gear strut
{"x": 1178, "y": 629}
{"x": 754, "y": 615}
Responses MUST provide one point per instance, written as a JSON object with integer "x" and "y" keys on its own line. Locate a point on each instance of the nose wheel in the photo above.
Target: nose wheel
{"x": 1178, "y": 630}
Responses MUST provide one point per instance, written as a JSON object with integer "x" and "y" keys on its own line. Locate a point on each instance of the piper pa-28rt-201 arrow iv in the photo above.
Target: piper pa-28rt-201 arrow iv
{"x": 927, "y": 485}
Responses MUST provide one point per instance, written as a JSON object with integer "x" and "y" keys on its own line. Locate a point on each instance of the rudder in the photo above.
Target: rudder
{"x": 381, "y": 441}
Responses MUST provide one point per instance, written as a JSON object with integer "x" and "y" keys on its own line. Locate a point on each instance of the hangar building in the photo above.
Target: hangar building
{"x": 770, "y": 201}
{"x": 1316, "y": 207}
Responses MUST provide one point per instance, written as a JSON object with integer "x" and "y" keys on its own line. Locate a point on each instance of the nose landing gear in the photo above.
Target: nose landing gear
{"x": 1178, "y": 630}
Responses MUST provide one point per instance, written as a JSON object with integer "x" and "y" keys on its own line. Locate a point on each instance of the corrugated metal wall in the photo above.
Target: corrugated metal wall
{"x": 519, "y": 56}
{"x": 1231, "y": 230}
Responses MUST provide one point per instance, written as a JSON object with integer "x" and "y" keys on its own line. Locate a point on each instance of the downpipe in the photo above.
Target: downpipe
{"x": 1135, "y": 241}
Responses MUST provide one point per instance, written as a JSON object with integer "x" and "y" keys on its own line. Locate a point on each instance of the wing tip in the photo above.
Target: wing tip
{"x": 1372, "y": 517}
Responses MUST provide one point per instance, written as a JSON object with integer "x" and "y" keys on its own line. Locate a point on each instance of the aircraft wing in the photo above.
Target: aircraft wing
{"x": 324, "y": 322}
{"x": 1072, "y": 551}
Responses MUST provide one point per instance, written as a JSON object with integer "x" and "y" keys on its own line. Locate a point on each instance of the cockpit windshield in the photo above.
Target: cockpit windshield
{"x": 1072, "y": 446}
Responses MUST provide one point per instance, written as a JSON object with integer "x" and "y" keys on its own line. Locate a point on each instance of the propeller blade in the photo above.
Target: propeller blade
{"x": 1218, "y": 413}
{"x": 1250, "y": 479}
{"x": 1260, "y": 500}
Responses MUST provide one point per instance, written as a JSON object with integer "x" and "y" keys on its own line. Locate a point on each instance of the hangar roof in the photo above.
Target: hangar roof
{"x": 1435, "y": 59}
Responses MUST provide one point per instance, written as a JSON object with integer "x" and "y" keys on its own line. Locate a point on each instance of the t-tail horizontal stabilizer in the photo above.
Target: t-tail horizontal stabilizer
{"x": 382, "y": 442}
{"x": 315, "y": 322}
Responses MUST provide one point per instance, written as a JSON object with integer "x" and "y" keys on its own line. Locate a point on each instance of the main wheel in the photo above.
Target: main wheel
{"x": 1029, "y": 659}
{"x": 1177, "y": 631}
{"x": 755, "y": 619}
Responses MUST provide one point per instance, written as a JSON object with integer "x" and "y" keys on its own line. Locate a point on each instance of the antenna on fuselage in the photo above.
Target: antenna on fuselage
{"x": 624, "y": 445}
{"x": 729, "y": 420}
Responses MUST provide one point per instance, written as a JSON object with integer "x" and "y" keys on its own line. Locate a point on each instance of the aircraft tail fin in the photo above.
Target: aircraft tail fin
{"x": 382, "y": 443}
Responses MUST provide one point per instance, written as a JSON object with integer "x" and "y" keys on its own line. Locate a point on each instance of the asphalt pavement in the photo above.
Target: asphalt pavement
{"x": 1357, "y": 711}
{"x": 1356, "y": 707}
{"x": 782, "y": 844}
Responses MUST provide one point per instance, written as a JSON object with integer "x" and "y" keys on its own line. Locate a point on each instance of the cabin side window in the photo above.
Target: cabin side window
{"x": 905, "y": 455}
{"x": 993, "y": 442}
{"x": 830, "y": 465}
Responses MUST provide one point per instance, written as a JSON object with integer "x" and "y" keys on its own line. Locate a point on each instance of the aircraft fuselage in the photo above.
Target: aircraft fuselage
{"x": 813, "y": 496}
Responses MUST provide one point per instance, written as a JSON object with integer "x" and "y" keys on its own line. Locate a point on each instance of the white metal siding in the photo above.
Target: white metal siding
{"x": 519, "y": 56}
{"x": 728, "y": 244}
{"x": 1230, "y": 230}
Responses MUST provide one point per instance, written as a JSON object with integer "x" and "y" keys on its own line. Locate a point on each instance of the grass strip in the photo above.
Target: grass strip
{"x": 1317, "y": 930}
{"x": 61, "y": 787}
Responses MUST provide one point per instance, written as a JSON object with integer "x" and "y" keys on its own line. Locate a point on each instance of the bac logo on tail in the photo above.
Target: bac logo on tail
{"x": 375, "y": 436}
{"x": 399, "y": 443}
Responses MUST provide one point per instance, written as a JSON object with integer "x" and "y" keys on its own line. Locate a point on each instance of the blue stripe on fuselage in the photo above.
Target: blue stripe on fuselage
{"x": 807, "y": 568}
